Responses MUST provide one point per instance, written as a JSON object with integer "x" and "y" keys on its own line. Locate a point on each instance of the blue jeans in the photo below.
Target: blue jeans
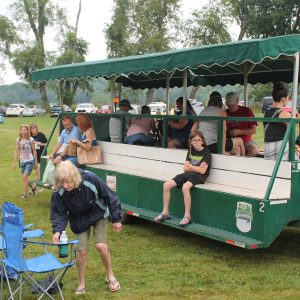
{"x": 27, "y": 167}
{"x": 145, "y": 139}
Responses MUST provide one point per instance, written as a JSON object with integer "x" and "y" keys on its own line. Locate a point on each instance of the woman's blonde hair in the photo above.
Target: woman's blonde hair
{"x": 66, "y": 172}
{"x": 28, "y": 130}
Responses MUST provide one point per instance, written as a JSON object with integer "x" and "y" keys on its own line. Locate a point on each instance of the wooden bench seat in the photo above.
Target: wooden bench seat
{"x": 243, "y": 176}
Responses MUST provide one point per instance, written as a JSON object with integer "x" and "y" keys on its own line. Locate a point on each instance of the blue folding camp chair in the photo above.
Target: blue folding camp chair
{"x": 13, "y": 233}
{"x": 28, "y": 234}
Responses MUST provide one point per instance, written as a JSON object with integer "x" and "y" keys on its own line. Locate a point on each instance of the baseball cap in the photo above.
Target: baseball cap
{"x": 125, "y": 102}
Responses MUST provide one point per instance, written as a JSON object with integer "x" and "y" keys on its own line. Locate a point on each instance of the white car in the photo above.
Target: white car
{"x": 40, "y": 111}
{"x": 29, "y": 111}
{"x": 158, "y": 108}
{"x": 86, "y": 108}
{"x": 136, "y": 109}
{"x": 15, "y": 110}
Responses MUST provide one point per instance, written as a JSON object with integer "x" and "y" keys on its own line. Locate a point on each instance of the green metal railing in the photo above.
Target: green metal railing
{"x": 289, "y": 136}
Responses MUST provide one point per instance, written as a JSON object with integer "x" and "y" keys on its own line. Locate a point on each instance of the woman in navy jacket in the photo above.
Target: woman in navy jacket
{"x": 84, "y": 200}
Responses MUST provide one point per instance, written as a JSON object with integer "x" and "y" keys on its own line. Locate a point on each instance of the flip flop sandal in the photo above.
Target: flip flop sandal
{"x": 185, "y": 221}
{"x": 79, "y": 292}
{"x": 113, "y": 285}
{"x": 161, "y": 217}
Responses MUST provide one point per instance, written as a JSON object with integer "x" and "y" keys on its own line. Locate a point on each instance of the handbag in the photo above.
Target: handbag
{"x": 93, "y": 156}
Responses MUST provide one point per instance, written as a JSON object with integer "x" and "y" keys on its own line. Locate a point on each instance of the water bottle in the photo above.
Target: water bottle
{"x": 63, "y": 247}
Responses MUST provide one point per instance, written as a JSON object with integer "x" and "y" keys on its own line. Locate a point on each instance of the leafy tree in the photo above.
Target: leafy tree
{"x": 74, "y": 51}
{"x": 152, "y": 23}
{"x": 118, "y": 32}
{"x": 34, "y": 16}
{"x": 8, "y": 38}
{"x": 141, "y": 26}
{"x": 206, "y": 27}
{"x": 265, "y": 18}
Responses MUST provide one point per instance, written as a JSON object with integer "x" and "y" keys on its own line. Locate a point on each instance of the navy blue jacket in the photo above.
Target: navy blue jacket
{"x": 84, "y": 206}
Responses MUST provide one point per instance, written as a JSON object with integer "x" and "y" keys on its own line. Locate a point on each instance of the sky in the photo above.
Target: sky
{"x": 95, "y": 14}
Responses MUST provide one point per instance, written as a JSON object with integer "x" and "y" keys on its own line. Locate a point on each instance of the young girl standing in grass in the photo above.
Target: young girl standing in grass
{"x": 25, "y": 151}
{"x": 196, "y": 170}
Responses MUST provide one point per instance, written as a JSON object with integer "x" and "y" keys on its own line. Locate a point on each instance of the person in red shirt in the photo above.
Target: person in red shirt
{"x": 242, "y": 129}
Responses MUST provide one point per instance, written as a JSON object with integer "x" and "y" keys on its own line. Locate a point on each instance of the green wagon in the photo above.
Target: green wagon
{"x": 247, "y": 201}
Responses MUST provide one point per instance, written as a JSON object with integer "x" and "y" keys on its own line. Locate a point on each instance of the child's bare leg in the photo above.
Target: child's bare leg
{"x": 37, "y": 173}
{"x": 25, "y": 183}
{"x": 187, "y": 198}
{"x": 168, "y": 185}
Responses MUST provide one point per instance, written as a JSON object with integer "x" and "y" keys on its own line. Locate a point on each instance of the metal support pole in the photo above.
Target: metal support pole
{"x": 168, "y": 94}
{"x": 112, "y": 92}
{"x": 295, "y": 85}
{"x": 184, "y": 91}
{"x": 245, "y": 85}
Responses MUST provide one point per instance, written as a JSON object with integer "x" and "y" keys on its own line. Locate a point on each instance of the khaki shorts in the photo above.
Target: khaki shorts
{"x": 99, "y": 235}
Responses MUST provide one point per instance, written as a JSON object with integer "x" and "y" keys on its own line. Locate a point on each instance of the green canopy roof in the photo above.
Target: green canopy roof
{"x": 262, "y": 60}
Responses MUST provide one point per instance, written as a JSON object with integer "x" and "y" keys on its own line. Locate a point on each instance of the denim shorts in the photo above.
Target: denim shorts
{"x": 27, "y": 167}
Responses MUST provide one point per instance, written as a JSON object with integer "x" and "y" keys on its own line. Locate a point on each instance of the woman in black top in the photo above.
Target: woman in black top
{"x": 274, "y": 131}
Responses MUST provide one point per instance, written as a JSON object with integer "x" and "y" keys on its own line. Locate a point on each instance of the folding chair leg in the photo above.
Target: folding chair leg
{"x": 39, "y": 287}
{"x": 21, "y": 284}
{"x": 1, "y": 290}
{"x": 8, "y": 283}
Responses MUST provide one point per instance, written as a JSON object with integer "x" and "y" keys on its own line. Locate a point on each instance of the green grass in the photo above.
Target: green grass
{"x": 152, "y": 261}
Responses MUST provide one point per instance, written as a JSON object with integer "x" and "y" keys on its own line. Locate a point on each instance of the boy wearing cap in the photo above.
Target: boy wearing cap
{"x": 242, "y": 129}
{"x": 115, "y": 123}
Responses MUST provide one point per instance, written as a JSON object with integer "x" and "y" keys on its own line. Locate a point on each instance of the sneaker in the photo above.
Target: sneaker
{"x": 24, "y": 197}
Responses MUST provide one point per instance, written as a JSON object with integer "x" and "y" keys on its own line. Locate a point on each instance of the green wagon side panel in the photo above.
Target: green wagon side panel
{"x": 214, "y": 214}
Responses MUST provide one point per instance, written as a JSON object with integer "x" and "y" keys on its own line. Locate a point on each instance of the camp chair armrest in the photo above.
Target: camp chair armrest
{"x": 74, "y": 242}
{"x": 32, "y": 234}
{"x": 28, "y": 226}
{"x": 49, "y": 244}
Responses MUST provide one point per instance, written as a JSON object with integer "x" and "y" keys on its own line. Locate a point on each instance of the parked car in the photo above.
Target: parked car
{"x": 3, "y": 110}
{"x": 104, "y": 109}
{"x": 136, "y": 109}
{"x": 158, "y": 108}
{"x": 268, "y": 102}
{"x": 15, "y": 110}
{"x": 86, "y": 107}
{"x": 40, "y": 111}
{"x": 29, "y": 111}
{"x": 56, "y": 109}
